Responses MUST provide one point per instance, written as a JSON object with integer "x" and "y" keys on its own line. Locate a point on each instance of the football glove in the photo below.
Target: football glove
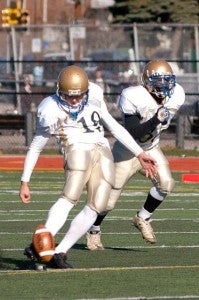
{"x": 163, "y": 114}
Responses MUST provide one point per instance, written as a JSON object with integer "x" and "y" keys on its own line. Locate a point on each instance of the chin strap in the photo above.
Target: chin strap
{"x": 73, "y": 112}
{"x": 73, "y": 115}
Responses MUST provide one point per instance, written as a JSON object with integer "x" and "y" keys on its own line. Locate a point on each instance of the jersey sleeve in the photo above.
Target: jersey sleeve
{"x": 47, "y": 115}
{"x": 119, "y": 132}
{"x": 32, "y": 156}
{"x": 177, "y": 99}
{"x": 95, "y": 91}
{"x": 125, "y": 103}
{"x": 137, "y": 129}
{"x": 130, "y": 101}
{"x": 175, "y": 102}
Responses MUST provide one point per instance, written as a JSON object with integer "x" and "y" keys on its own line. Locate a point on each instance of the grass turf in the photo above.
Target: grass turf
{"x": 128, "y": 268}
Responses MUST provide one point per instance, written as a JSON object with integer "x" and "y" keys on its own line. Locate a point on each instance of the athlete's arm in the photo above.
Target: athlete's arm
{"x": 137, "y": 129}
{"x": 33, "y": 153}
{"x": 121, "y": 134}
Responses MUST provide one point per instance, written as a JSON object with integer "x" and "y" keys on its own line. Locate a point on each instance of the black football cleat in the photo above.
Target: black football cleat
{"x": 59, "y": 261}
{"x": 30, "y": 252}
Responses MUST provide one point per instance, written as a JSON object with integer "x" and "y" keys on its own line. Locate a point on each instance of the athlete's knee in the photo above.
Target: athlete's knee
{"x": 69, "y": 198}
{"x": 165, "y": 186}
{"x": 97, "y": 207}
{"x": 114, "y": 195}
{"x": 101, "y": 204}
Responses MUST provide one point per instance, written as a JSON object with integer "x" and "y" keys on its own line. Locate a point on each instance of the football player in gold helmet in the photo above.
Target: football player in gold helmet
{"x": 75, "y": 115}
{"x": 147, "y": 110}
{"x": 159, "y": 80}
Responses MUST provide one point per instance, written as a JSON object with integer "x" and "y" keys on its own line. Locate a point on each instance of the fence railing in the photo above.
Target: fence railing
{"x": 30, "y": 62}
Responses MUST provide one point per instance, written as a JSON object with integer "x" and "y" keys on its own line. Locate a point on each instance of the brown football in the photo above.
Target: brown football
{"x": 44, "y": 243}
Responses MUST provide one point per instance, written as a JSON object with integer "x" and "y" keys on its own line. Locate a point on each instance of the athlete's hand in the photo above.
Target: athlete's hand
{"x": 163, "y": 114}
{"x": 24, "y": 192}
{"x": 148, "y": 163}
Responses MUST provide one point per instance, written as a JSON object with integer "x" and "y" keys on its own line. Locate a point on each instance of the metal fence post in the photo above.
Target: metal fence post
{"x": 30, "y": 127}
{"x": 180, "y": 131}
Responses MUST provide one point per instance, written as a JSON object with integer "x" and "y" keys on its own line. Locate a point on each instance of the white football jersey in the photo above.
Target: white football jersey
{"x": 53, "y": 118}
{"x": 83, "y": 131}
{"x": 137, "y": 100}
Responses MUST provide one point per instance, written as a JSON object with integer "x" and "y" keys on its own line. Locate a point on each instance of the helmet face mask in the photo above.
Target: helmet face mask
{"x": 159, "y": 80}
{"x": 73, "y": 101}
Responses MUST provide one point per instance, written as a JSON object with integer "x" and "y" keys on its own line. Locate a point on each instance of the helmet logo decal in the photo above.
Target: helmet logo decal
{"x": 74, "y": 92}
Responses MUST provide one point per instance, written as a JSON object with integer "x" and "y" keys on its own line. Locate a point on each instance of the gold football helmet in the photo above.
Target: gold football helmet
{"x": 72, "y": 81}
{"x": 158, "y": 79}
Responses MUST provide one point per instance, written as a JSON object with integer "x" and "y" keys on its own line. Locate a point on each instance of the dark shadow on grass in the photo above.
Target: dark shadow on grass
{"x": 125, "y": 249}
{"x": 16, "y": 264}
{"x": 79, "y": 247}
{"x": 83, "y": 247}
{"x": 26, "y": 264}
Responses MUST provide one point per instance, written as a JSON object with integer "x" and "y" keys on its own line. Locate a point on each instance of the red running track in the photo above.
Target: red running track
{"x": 55, "y": 162}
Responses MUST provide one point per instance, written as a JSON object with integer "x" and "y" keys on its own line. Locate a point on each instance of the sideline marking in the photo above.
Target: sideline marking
{"x": 190, "y": 178}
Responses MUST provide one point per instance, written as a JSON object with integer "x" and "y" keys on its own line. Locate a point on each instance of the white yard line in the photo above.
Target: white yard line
{"x": 104, "y": 269}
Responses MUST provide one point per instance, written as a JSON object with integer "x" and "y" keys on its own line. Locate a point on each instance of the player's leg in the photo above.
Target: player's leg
{"x": 93, "y": 235}
{"x": 106, "y": 173}
{"x": 77, "y": 172}
{"x": 77, "y": 167}
{"x": 163, "y": 185}
{"x": 125, "y": 167}
{"x": 78, "y": 227}
{"x": 58, "y": 213}
{"x": 101, "y": 179}
{"x": 57, "y": 217}
{"x": 99, "y": 186}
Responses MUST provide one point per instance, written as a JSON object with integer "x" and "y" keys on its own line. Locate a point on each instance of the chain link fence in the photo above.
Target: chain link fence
{"x": 31, "y": 59}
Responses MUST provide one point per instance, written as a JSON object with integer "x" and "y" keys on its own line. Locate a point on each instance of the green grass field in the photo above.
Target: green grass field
{"x": 129, "y": 268}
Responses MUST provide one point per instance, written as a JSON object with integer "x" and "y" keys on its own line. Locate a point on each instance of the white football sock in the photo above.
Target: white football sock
{"x": 58, "y": 214}
{"x": 144, "y": 214}
{"x": 78, "y": 227}
{"x": 155, "y": 193}
{"x": 94, "y": 228}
